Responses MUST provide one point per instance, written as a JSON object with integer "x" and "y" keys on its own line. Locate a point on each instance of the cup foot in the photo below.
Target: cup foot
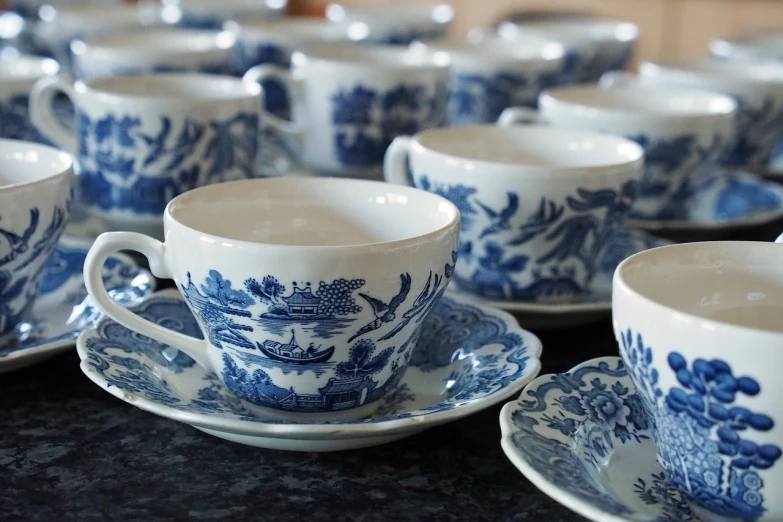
{"x": 333, "y": 416}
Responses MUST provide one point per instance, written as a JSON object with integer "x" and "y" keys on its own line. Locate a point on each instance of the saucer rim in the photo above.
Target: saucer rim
{"x": 343, "y": 430}
{"x": 547, "y": 309}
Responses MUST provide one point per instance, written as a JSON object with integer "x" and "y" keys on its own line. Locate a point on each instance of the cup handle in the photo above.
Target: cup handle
{"x": 616, "y": 79}
{"x": 395, "y": 161}
{"x": 108, "y": 244}
{"x": 779, "y": 239}
{"x": 258, "y": 74}
{"x": 42, "y": 112}
{"x": 519, "y": 116}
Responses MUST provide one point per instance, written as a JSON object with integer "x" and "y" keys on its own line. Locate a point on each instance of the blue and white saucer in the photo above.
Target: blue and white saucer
{"x": 725, "y": 202}
{"x": 581, "y": 309}
{"x": 584, "y": 439}
{"x": 63, "y": 310}
{"x": 468, "y": 358}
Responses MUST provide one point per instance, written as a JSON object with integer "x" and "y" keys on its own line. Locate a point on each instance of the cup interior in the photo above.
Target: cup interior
{"x": 23, "y": 163}
{"x": 188, "y": 86}
{"x": 313, "y": 212}
{"x": 531, "y": 146}
{"x": 736, "y": 283}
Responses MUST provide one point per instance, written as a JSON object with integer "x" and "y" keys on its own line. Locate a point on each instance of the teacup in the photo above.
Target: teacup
{"x": 683, "y": 133}
{"x": 392, "y": 24}
{"x": 311, "y": 293}
{"x": 492, "y": 74}
{"x": 538, "y": 204}
{"x": 758, "y": 89}
{"x": 351, "y": 101}
{"x": 756, "y": 47}
{"x": 18, "y": 74}
{"x": 593, "y": 46}
{"x": 699, "y": 328}
{"x": 273, "y": 42}
{"x": 35, "y": 202}
{"x": 212, "y": 14}
{"x": 141, "y": 140}
{"x": 154, "y": 50}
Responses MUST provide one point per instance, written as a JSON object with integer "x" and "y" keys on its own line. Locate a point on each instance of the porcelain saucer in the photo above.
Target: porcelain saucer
{"x": 468, "y": 358}
{"x": 584, "y": 439}
{"x": 583, "y": 309}
{"x": 63, "y": 310}
{"x": 726, "y": 201}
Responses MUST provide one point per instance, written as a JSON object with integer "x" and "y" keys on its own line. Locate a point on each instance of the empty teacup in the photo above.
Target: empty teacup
{"x": 154, "y": 50}
{"x": 18, "y": 74}
{"x": 35, "y": 201}
{"x": 538, "y": 204}
{"x": 392, "y": 24}
{"x": 141, "y": 140}
{"x": 683, "y": 133}
{"x": 351, "y": 101}
{"x": 699, "y": 328}
{"x": 311, "y": 293}
{"x": 492, "y": 74}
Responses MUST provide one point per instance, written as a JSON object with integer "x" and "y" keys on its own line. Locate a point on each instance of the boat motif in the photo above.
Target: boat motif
{"x": 293, "y": 353}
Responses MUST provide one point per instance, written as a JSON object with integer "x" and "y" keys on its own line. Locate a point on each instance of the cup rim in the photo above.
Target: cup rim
{"x": 257, "y": 28}
{"x": 496, "y": 50}
{"x": 403, "y": 58}
{"x": 111, "y": 43}
{"x": 619, "y": 282}
{"x": 436, "y": 14}
{"x": 15, "y": 149}
{"x": 736, "y": 72}
{"x": 439, "y": 202}
{"x": 618, "y": 30}
{"x": 39, "y": 67}
{"x": 241, "y": 90}
{"x": 635, "y": 151}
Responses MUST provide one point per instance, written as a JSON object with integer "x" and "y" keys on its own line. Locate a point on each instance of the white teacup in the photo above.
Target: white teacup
{"x": 538, "y": 204}
{"x": 756, "y": 47}
{"x": 212, "y": 14}
{"x": 392, "y": 24}
{"x": 683, "y": 133}
{"x": 311, "y": 293}
{"x": 699, "y": 327}
{"x": 153, "y": 50}
{"x": 18, "y": 74}
{"x": 350, "y": 101}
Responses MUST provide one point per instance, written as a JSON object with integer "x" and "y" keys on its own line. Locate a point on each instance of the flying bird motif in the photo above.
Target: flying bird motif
{"x": 419, "y": 305}
{"x": 499, "y": 220}
{"x": 538, "y": 222}
{"x": 19, "y": 244}
{"x": 384, "y": 313}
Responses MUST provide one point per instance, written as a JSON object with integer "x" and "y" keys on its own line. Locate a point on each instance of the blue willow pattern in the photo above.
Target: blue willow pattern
{"x": 248, "y": 54}
{"x": 699, "y": 437}
{"x": 760, "y": 125}
{"x": 126, "y": 169}
{"x": 15, "y": 121}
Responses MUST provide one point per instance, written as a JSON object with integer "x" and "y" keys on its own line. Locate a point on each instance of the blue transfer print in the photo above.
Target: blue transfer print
{"x": 366, "y": 121}
{"x": 249, "y": 54}
{"x": 15, "y": 121}
{"x": 699, "y": 432}
{"x": 124, "y": 168}
{"x": 743, "y": 198}
{"x": 759, "y": 126}
{"x": 407, "y": 37}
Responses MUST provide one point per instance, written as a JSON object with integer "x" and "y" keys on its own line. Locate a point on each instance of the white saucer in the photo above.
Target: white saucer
{"x": 63, "y": 310}
{"x": 468, "y": 358}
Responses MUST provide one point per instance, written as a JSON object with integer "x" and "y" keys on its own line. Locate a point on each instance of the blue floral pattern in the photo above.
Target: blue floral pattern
{"x": 700, "y": 430}
{"x": 125, "y": 168}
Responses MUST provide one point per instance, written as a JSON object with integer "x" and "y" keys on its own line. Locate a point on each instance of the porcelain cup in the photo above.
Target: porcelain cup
{"x": 35, "y": 202}
{"x": 141, "y": 140}
{"x": 699, "y": 328}
{"x": 489, "y": 75}
{"x": 212, "y": 14}
{"x": 165, "y": 49}
{"x": 392, "y": 24}
{"x": 538, "y": 204}
{"x": 350, "y": 101}
{"x": 683, "y": 133}
{"x": 18, "y": 74}
{"x": 311, "y": 293}
{"x": 593, "y": 46}
{"x": 767, "y": 46}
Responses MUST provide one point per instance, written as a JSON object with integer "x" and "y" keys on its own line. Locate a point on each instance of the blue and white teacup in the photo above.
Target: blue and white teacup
{"x": 165, "y": 49}
{"x": 142, "y": 140}
{"x": 683, "y": 132}
{"x": 392, "y": 24}
{"x": 350, "y": 101}
{"x": 310, "y": 293}
{"x": 492, "y": 74}
{"x": 30, "y": 8}
{"x": 538, "y": 204}
{"x": 699, "y": 328}
{"x": 213, "y": 14}
{"x": 35, "y": 203}
{"x": 593, "y": 46}
{"x": 18, "y": 74}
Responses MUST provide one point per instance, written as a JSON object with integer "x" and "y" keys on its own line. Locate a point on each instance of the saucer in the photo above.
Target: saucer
{"x": 577, "y": 310}
{"x": 63, "y": 310}
{"x": 725, "y": 202}
{"x": 584, "y": 439}
{"x": 468, "y": 358}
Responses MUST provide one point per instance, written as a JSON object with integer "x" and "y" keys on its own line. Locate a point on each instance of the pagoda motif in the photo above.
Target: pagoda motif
{"x": 302, "y": 302}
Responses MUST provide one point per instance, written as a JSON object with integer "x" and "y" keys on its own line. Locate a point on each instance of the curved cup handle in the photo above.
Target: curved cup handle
{"x": 779, "y": 239}
{"x": 155, "y": 251}
{"x": 616, "y": 79}
{"x": 258, "y": 74}
{"x": 519, "y": 116}
{"x": 395, "y": 161}
{"x": 42, "y": 113}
